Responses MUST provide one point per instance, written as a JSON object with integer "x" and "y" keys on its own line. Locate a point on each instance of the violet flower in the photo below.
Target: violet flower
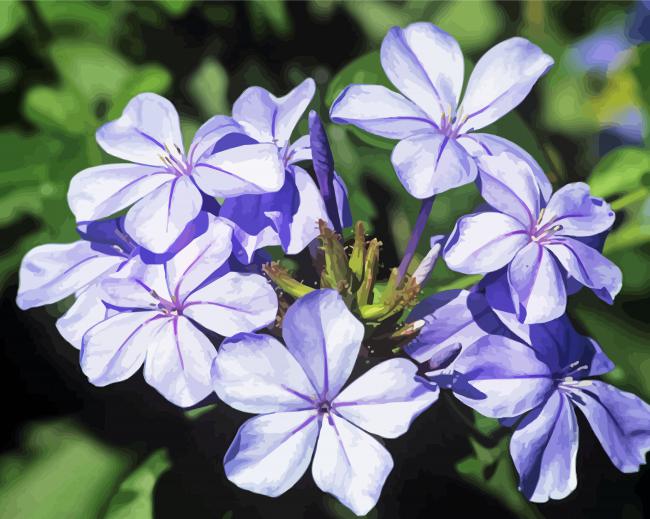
{"x": 539, "y": 243}
{"x": 288, "y": 217}
{"x": 437, "y": 147}
{"x": 162, "y": 183}
{"x": 297, "y": 392}
{"x": 160, "y": 312}
{"x": 544, "y": 381}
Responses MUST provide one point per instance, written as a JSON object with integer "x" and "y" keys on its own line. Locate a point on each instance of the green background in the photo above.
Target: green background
{"x": 74, "y": 451}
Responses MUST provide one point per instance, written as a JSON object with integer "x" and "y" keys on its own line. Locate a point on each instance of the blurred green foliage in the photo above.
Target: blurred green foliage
{"x": 85, "y": 60}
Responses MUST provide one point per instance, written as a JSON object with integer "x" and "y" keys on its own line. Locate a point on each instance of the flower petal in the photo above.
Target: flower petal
{"x": 148, "y": 125}
{"x": 386, "y": 399}
{"x": 430, "y": 163}
{"x": 267, "y": 118}
{"x": 299, "y": 150}
{"x": 233, "y": 303}
{"x": 544, "y": 448}
{"x": 508, "y": 374}
{"x": 324, "y": 337}
{"x": 342, "y": 201}
{"x": 249, "y": 169}
{"x": 380, "y": 111}
{"x": 537, "y": 286}
{"x": 87, "y": 311}
{"x": 484, "y": 242}
{"x": 257, "y": 374}
{"x": 508, "y": 184}
{"x": 198, "y": 260}
{"x": 271, "y": 452}
{"x": 178, "y": 362}
{"x": 577, "y": 212}
{"x": 157, "y": 220}
{"x": 566, "y": 352}
{"x": 48, "y": 273}
{"x": 451, "y": 317}
{"x": 588, "y": 266}
{"x": 426, "y": 65}
{"x": 114, "y": 349}
{"x": 620, "y": 421}
{"x": 501, "y": 80}
{"x": 477, "y": 144}
{"x": 350, "y": 464}
{"x": 104, "y": 190}
{"x": 209, "y": 133}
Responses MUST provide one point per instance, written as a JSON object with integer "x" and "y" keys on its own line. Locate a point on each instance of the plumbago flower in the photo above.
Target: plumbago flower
{"x": 543, "y": 380}
{"x": 536, "y": 244}
{"x": 437, "y": 147}
{"x": 163, "y": 184}
{"x": 289, "y": 216}
{"x": 160, "y": 314}
{"x": 298, "y": 392}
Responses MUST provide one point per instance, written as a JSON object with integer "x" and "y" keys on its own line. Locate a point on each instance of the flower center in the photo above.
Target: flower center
{"x": 174, "y": 160}
{"x": 543, "y": 232}
{"x": 324, "y": 407}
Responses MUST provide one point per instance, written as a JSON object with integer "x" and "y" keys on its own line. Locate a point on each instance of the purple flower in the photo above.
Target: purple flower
{"x": 159, "y": 314}
{"x": 162, "y": 183}
{"x": 437, "y": 149}
{"x": 288, "y": 217}
{"x": 543, "y": 381}
{"x": 297, "y": 393}
{"x": 540, "y": 243}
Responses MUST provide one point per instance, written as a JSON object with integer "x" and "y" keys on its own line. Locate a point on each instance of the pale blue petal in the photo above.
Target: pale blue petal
{"x": 267, "y": 118}
{"x": 544, "y": 448}
{"x": 157, "y": 220}
{"x": 620, "y": 421}
{"x": 114, "y": 349}
{"x": 386, "y": 399}
{"x": 350, "y": 464}
{"x": 379, "y": 111}
{"x": 101, "y": 191}
{"x": 233, "y": 303}
{"x": 271, "y": 452}
{"x": 178, "y": 362}
{"x": 324, "y": 337}
{"x": 87, "y": 310}
{"x": 49, "y": 273}
{"x": 484, "y": 242}
{"x": 507, "y": 374}
{"x": 430, "y": 163}
{"x": 426, "y": 65}
{"x": 148, "y": 126}
{"x": 250, "y": 169}
{"x": 501, "y": 80}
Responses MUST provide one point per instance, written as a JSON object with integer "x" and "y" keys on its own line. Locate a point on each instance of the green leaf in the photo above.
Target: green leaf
{"x": 59, "y": 470}
{"x": 12, "y": 15}
{"x": 175, "y": 8}
{"x": 475, "y": 25}
{"x": 491, "y": 470}
{"x": 624, "y": 343}
{"x": 57, "y": 109}
{"x": 208, "y": 86}
{"x": 134, "y": 497}
{"x": 621, "y": 171}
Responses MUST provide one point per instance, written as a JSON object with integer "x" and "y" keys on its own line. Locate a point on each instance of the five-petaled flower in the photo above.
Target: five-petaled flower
{"x": 159, "y": 313}
{"x": 288, "y": 217}
{"x": 540, "y": 243}
{"x": 297, "y": 392}
{"x": 437, "y": 149}
{"x": 163, "y": 184}
{"x": 543, "y": 379}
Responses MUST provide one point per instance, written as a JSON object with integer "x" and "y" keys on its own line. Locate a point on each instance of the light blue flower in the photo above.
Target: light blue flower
{"x": 160, "y": 312}
{"x": 298, "y": 393}
{"x": 437, "y": 146}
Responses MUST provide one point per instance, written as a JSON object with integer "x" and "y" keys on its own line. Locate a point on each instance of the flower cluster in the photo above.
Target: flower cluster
{"x": 171, "y": 273}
